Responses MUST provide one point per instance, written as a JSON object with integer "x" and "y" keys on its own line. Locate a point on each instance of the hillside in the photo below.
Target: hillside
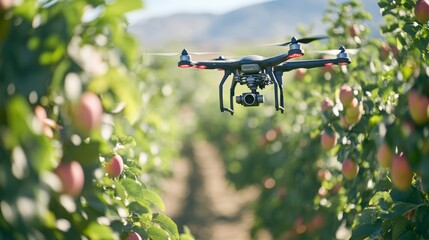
{"x": 259, "y": 23}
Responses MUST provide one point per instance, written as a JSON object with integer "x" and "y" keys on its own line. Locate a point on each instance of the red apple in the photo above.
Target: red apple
{"x": 401, "y": 172}
{"x": 317, "y": 222}
{"x": 115, "y": 167}
{"x": 354, "y": 114}
{"x": 349, "y": 169}
{"x": 299, "y": 225}
{"x": 354, "y": 30}
{"x": 346, "y": 95}
{"x": 354, "y": 103}
{"x": 8, "y": 4}
{"x": 421, "y": 10}
{"x": 87, "y": 113}
{"x": 384, "y": 50}
{"x": 328, "y": 139}
{"x": 271, "y": 135}
{"x": 343, "y": 122}
{"x": 134, "y": 236}
{"x": 72, "y": 177}
{"x": 326, "y": 105}
{"x": 418, "y": 106}
{"x": 324, "y": 175}
{"x": 384, "y": 155}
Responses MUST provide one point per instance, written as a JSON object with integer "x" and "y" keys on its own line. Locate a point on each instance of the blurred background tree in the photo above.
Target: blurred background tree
{"x": 82, "y": 145}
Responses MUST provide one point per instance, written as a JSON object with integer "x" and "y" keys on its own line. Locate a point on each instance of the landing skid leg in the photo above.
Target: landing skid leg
{"x": 222, "y": 82}
{"x": 279, "y": 107}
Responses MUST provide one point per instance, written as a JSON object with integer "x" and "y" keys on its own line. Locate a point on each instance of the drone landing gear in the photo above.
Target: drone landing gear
{"x": 253, "y": 98}
{"x": 278, "y": 85}
{"x": 222, "y": 82}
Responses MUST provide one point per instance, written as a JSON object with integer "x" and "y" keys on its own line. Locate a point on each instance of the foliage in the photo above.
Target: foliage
{"x": 303, "y": 192}
{"x": 52, "y": 54}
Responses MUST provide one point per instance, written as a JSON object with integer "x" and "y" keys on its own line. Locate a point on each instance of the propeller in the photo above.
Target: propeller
{"x": 295, "y": 40}
{"x": 335, "y": 52}
{"x": 184, "y": 52}
{"x": 221, "y": 58}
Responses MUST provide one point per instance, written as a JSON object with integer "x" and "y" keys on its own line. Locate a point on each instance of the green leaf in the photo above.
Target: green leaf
{"x": 96, "y": 231}
{"x": 27, "y": 9}
{"x": 119, "y": 83}
{"x": 367, "y": 216}
{"x": 156, "y": 233}
{"x": 399, "y": 209}
{"x": 167, "y": 224}
{"x": 399, "y": 228}
{"x": 153, "y": 198}
{"x": 187, "y": 235}
{"x": 382, "y": 200}
{"x": 120, "y": 190}
{"x": 128, "y": 141}
{"x": 365, "y": 230}
{"x": 138, "y": 208}
{"x": 133, "y": 188}
{"x": 86, "y": 153}
{"x": 374, "y": 120}
{"x": 40, "y": 152}
{"x": 19, "y": 117}
{"x": 119, "y": 8}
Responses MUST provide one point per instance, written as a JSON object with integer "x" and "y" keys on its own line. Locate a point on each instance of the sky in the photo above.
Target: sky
{"x": 157, "y": 8}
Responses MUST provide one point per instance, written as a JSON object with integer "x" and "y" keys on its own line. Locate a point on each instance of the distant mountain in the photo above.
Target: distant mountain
{"x": 259, "y": 23}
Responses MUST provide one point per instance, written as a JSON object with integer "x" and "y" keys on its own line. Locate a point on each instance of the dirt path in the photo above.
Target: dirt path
{"x": 199, "y": 197}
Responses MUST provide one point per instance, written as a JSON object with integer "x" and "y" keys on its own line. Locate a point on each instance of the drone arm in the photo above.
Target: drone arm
{"x": 215, "y": 65}
{"x": 222, "y": 82}
{"x": 289, "y": 66}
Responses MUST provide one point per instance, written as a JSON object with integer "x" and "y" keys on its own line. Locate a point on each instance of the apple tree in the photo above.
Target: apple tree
{"x": 82, "y": 145}
{"x": 349, "y": 156}
{"x": 398, "y": 108}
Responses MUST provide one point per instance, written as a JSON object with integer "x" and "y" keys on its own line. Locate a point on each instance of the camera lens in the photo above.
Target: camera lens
{"x": 249, "y": 99}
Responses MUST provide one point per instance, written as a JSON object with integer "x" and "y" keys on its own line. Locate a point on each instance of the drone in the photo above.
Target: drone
{"x": 256, "y": 72}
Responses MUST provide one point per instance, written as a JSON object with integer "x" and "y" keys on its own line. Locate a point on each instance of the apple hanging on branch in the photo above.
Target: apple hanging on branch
{"x": 349, "y": 169}
{"x": 346, "y": 95}
{"x": 72, "y": 177}
{"x": 384, "y": 155}
{"x": 421, "y": 11}
{"x": 115, "y": 167}
{"x": 328, "y": 139}
{"x": 87, "y": 112}
{"x": 401, "y": 172}
{"x": 418, "y": 106}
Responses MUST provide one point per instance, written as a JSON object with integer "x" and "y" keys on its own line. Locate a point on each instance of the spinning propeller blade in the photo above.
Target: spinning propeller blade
{"x": 221, "y": 58}
{"x": 179, "y": 53}
{"x": 334, "y": 52}
{"x": 295, "y": 40}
